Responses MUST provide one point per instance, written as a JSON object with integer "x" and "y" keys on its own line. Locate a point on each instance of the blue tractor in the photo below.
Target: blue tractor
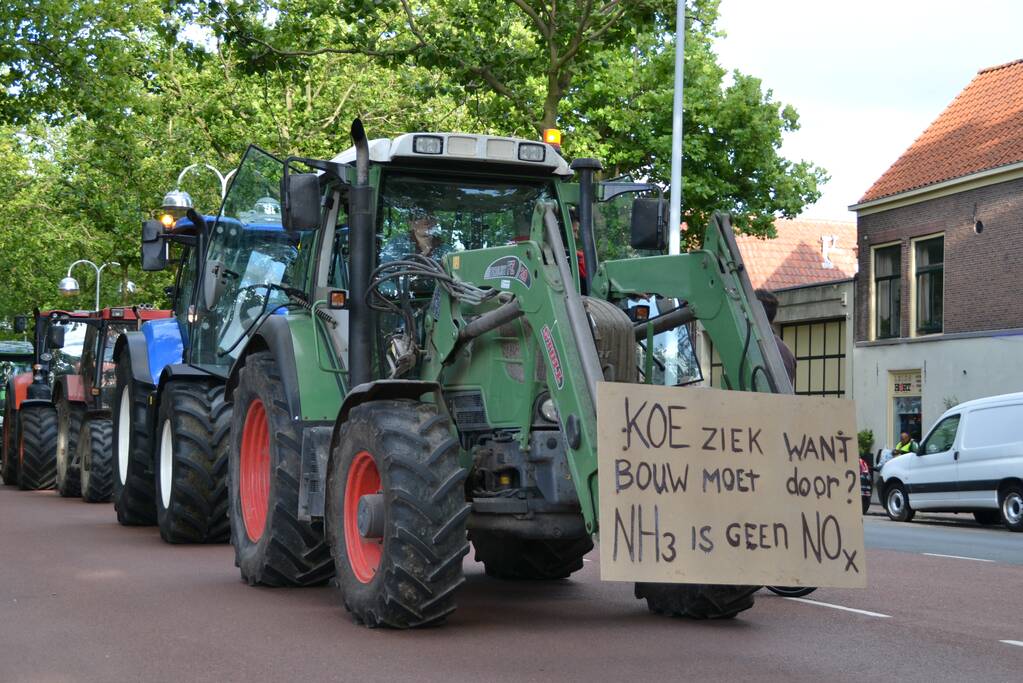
{"x": 171, "y": 420}
{"x": 146, "y": 360}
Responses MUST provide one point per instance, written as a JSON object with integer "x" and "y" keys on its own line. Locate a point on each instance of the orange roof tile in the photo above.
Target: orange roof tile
{"x": 981, "y": 129}
{"x": 796, "y": 256}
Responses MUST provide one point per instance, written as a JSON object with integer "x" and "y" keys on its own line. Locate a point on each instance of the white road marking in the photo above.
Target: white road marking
{"x": 957, "y": 557}
{"x": 844, "y": 609}
{"x": 1012, "y": 642}
{"x": 586, "y": 559}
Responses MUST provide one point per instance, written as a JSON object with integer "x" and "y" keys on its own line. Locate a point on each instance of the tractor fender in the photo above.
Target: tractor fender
{"x": 275, "y": 336}
{"x": 21, "y": 382}
{"x": 134, "y": 344}
{"x": 151, "y": 349}
{"x": 381, "y": 390}
{"x": 28, "y": 402}
{"x": 183, "y": 372}
{"x": 70, "y": 386}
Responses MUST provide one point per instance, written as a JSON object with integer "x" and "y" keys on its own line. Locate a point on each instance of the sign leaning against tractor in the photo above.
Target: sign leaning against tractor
{"x": 413, "y": 358}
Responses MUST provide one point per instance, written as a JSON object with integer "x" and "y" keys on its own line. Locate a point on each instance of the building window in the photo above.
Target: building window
{"x": 819, "y": 349}
{"x": 887, "y": 290}
{"x": 930, "y": 281}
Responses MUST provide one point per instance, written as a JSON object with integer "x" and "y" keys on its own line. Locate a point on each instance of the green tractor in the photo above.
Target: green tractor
{"x": 426, "y": 377}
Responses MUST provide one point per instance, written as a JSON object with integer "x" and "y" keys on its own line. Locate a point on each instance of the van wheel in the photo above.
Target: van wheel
{"x": 987, "y": 516}
{"x": 1012, "y": 508}
{"x": 896, "y": 503}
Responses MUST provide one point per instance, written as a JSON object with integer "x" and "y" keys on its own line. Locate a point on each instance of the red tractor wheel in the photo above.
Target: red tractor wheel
{"x": 254, "y": 471}
{"x": 272, "y": 546}
{"x": 396, "y": 514}
{"x": 363, "y": 480}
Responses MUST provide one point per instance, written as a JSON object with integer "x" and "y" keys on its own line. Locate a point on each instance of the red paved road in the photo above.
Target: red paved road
{"x": 82, "y": 599}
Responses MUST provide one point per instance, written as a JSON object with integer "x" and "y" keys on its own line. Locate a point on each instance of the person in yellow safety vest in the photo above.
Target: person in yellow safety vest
{"x": 906, "y": 444}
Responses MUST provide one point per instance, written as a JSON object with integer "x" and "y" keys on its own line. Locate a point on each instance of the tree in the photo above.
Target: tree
{"x": 600, "y": 69}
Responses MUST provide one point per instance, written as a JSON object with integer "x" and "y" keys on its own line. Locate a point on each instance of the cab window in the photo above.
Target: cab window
{"x": 942, "y": 436}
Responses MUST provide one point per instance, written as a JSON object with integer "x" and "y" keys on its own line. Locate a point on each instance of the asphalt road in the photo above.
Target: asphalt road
{"x": 945, "y": 534}
{"x": 82, "y": 599}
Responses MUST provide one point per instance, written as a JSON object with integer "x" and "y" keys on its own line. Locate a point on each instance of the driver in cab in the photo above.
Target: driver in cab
{"x": 424, "y": 237}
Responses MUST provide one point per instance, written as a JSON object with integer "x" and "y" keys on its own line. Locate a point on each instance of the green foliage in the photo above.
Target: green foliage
{"x": 102, "y": 103}
{"x": 865, "y": 439}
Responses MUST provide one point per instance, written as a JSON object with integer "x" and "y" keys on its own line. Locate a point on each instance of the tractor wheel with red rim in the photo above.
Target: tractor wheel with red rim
{"x": 396, "y": 514}
{"x": 192, "y": 425}
{"x": 272, "y": 546}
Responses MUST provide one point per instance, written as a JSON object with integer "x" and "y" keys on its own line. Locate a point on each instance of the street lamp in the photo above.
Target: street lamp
{"x": 69, "y": 286}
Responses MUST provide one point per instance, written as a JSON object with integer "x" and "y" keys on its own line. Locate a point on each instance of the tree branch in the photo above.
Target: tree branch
{"x": 545, "y": 29}
{"x": 500, "y": 88}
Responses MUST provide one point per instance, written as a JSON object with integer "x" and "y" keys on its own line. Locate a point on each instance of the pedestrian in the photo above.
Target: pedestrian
{"x": 906, "y": 444}
{"x": 770, "y": 303}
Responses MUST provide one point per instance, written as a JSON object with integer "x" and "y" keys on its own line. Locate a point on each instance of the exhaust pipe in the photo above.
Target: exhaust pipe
{"x": 360, "y": 238}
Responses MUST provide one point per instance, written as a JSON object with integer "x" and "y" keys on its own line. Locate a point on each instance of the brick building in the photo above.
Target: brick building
{"x": 810, "y": 266}
{"x": 939, "y": 298}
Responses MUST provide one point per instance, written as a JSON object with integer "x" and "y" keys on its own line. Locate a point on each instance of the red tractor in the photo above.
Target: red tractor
{"x": 82, "y": 402}
{"x": 45, "y": 408}
{"x": 30, "y": 424}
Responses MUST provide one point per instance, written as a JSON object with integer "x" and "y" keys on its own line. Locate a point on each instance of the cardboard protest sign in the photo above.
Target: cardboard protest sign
{"x": 709, "y": 486}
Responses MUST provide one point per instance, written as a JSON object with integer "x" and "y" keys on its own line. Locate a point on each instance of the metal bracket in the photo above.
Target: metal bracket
{"x": 312, "y": 482}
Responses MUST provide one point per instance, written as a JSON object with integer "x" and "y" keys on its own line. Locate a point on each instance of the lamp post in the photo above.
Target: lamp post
{"x": 179, "y": 201}
{"x": 69, "y": 286}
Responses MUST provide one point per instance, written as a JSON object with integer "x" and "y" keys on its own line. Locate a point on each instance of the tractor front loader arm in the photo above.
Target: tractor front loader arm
{"x": 540, "y": 290}
{"x": 714, "y": 286}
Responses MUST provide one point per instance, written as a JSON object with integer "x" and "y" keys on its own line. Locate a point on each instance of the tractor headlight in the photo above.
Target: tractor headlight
{"x": 529, "y": 151}
{"x": 428, "y": 144}
{"x": 548, "y": 410}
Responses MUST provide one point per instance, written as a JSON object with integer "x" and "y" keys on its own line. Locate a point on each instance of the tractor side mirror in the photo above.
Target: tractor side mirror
{"x": 20, "y": 323}
{"x": 55, "y": 336}
{"x": 301, "y": 194}
{"x": 154, "y": 247}
{"x": 647, "y": 224}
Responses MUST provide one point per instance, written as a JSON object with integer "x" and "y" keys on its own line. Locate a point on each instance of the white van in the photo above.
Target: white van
{"x": 970, "y": 461}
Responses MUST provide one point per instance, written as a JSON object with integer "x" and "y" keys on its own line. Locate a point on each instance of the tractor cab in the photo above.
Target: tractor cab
{"x": 95, "y": 378}
{"x": 249, "y": 264}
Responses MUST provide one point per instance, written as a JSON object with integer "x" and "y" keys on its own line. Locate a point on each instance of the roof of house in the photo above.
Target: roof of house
{"x": 803, "y": 253}
{"x": 981, "y": 129}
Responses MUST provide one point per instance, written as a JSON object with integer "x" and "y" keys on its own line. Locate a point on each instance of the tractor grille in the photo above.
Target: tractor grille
{"x": 468, "y": 410}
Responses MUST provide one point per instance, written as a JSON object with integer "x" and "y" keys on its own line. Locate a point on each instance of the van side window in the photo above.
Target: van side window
{"x": 943, "y": 436}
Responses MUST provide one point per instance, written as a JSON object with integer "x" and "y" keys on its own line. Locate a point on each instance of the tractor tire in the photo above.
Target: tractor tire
{"x": 69, "y": 424}
{"x": 614, "y": 339}
{"x": 191, "y": 467}
{"x": 272, "y": 546}
{"x": 508, "y": 557}
{"x": 399, "y": 560}
{"x": 96, "y": 457}
{"x": 696, "y": 600}
{"x": 9, "y": 455}
{"x": 37, "y": 435}
{"x": 133, "y": 493}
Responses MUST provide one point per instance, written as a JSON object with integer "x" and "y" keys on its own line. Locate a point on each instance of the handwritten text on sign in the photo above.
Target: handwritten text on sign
{"x": 709, "y": 486}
